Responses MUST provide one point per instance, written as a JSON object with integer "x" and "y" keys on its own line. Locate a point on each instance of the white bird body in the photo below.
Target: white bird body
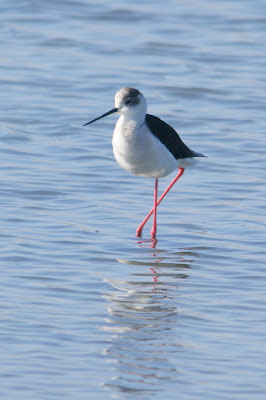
{"x": 139, "y": 152}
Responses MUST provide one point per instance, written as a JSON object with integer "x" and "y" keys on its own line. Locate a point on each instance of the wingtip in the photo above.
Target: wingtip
{"x": 198, "y": 154}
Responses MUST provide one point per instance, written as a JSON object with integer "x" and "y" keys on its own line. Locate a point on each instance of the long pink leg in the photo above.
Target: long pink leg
{"x": 180, "y": 173}
{"x": 154, "y": 228}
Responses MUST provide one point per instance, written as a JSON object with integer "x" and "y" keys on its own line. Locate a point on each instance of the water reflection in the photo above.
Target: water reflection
{"x": 143, "y": 321}
{"x": 151, "y": 242}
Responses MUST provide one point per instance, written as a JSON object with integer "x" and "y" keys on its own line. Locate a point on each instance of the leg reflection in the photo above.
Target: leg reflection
{"x": 143, "y": 325}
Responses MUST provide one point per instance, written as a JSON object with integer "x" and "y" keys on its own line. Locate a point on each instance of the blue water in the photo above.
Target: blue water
{"x": 88, "y": 311}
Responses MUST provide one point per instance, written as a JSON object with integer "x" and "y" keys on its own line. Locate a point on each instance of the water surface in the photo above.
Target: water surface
{"x": 87, "y": 310}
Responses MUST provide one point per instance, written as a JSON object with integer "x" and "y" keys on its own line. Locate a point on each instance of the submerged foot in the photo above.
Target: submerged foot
{"x": 153, "y": 233}
{"x": 139, "y": 231}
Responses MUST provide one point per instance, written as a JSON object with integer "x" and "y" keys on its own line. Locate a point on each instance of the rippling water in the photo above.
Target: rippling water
{"x": 87, "y": 310}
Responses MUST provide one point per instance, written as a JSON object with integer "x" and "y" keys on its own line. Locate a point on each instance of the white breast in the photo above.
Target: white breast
{"x": 139, "y": 152}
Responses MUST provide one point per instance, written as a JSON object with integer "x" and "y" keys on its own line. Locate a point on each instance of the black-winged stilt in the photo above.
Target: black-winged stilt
{"x": 146, "y": 146}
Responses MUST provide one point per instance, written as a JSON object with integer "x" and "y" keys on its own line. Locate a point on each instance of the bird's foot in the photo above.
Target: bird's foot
{"x": 139, "y": 231}
{"x": 153, "y": 234}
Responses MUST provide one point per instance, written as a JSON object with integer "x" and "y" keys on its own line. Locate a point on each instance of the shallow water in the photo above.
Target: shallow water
{"x": 87, "y": 310}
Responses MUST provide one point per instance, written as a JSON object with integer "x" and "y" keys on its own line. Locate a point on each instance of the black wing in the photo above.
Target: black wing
{"x": 169, "y": 137}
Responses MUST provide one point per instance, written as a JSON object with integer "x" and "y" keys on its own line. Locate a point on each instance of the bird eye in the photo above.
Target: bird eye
{"x": 128, "y": 102}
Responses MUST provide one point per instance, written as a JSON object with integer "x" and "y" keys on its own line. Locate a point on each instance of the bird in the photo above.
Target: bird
{"x": 146, "y": 146}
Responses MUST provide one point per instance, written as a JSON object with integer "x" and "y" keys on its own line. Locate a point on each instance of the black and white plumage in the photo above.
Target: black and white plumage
{"x": 169, "y": 137}
{"x": 145, "y": 145}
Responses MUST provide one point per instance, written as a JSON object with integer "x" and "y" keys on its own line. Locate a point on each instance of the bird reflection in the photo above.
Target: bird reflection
{"x": 143, "y": 325}
{"x": 151, "y": 242}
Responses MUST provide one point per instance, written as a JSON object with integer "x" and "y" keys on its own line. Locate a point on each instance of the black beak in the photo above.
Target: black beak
{"x": 102, "y": 116}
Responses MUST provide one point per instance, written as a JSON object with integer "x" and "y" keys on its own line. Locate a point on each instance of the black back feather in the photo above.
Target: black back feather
{"x": 170, "y": 138}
